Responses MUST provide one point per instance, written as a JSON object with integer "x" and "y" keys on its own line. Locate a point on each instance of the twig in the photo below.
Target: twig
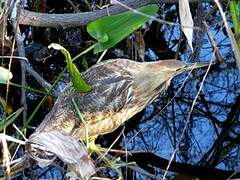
{"x": 21, "y": 53}
{"x": 31, "y": 71}
{"x": 214, "y": 46}
{"x": 9, "y": 69}
{"x": 103, "y": 155}
{"x": 38, "y": 77}
{"x": 102, "y": 55}
{"x": 115, "y": 150}
{"x": 20, "y": 132}
{"x": 6, "y": 156}
{"x": 17, "y": 166}
{"x": 180, "y": 40}
{"x": 74, "y": 19}
{"x": 9, "y": 138}
{"x": 150, "y": 159}
{"x": 198, "y": 36}
{"x": 14, "y": 57}
{"x": 233, "y": 174}
{"x": 15, "y": 153}
{"x": 73, "y": 5}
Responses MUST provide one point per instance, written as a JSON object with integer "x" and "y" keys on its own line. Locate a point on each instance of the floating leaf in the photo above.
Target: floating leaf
{"x": 186, "y": 21}
{"x": 78, "y": 82}
{"x": 110, "y": 30}
{"x": 5, "y": 75}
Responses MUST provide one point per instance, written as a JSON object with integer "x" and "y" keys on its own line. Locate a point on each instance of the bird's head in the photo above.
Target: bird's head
{"x": 154, "y": 77}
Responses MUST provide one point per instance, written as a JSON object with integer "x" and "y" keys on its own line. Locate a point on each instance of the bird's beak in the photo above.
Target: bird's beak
{"x": 192, "y": 66}
{"x": 197, "y": 65}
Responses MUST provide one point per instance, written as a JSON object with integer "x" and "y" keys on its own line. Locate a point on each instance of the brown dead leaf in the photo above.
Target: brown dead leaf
{"x": 45, "y": 146}
{"x": 186, "y": 21}
{"x": 139, "y": 45}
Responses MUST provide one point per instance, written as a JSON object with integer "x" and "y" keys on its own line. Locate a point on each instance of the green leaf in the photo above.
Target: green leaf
{"x": 235, "y": 12}
{"x": 5, "y": 75}
{"x": 110, "y": 30}
{"x": 77, "y": 80}
{"x": 10, "y": 119}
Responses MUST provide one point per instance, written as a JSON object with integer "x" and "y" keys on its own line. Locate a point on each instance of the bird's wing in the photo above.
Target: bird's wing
{"x": 111, "y": 85}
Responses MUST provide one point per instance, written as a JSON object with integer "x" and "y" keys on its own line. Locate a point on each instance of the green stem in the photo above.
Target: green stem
{"x": 84, "y": 52}
{"x": 28, "y": 88}
{"x": 80, "y": 116}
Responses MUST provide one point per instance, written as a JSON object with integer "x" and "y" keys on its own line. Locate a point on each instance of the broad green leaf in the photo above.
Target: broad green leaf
{"x": 77, "y": 80}
{"x": 10, "y": 119}
{"x": 110, "y": 30}
{"x": 5, "y": 75}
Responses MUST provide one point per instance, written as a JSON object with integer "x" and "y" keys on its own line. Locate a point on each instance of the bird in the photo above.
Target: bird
{"x": 120, "y": 89}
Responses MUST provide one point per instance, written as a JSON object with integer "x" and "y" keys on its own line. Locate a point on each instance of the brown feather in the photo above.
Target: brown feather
{"x": 120, "y": 89}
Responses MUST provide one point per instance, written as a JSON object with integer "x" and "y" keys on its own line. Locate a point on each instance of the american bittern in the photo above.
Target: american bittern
{"x": 120, "y": 89}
